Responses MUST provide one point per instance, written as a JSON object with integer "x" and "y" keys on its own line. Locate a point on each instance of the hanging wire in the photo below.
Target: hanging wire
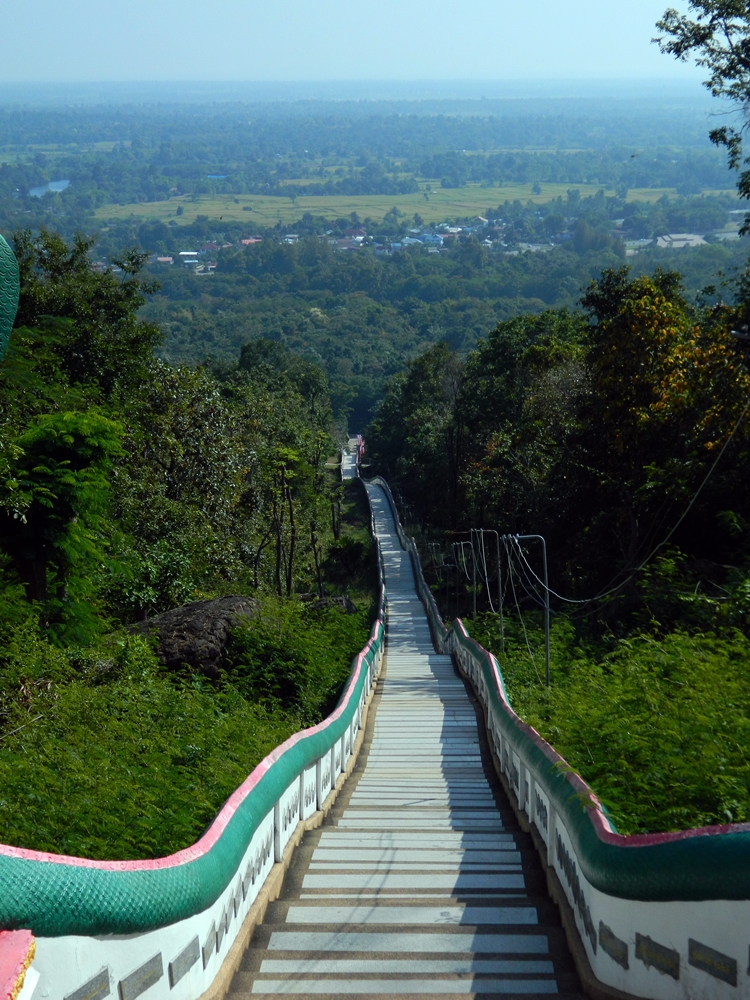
{"x": 487, "y": 576}
{"x": 465, "y": 561}
{"x": 460, "y": 547}
{"x": 489, "y": 579}
{"x": 530, "y": 593}
{"x": 570, "y": 600}
{"x": 518, "y": 609}
{"x": 525, "y": 567}
{"x": 505, "y": 589}
{"x": 480, "y": 532}
{"x": 652, "y": 553}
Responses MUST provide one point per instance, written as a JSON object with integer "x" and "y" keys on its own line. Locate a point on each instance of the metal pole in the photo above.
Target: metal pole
{"x": 457, "y": 561}
{"x": 500, "y": 594}
{"x": 546, "y": 611}
{"x": 474, "y": 581}
{"x": 540, "y": 538}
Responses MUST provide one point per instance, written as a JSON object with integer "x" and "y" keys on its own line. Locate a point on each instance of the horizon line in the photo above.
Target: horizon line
{"x": 339, "y": 81}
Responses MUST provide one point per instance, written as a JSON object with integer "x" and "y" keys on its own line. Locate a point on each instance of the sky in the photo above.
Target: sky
{"x": 296, "y": 40}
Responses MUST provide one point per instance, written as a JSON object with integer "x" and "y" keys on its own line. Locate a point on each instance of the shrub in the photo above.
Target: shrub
{"x": 659, "y": 725}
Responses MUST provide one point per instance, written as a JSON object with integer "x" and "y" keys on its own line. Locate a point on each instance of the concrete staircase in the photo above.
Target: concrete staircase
{"x": 420, "y": 881}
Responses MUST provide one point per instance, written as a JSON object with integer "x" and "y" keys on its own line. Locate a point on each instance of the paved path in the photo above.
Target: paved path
{"x": 349, "y": 460}
{"x": 419, "y": 882}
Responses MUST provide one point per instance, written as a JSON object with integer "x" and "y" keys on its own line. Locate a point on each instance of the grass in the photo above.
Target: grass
{"x": 433, "y": 206}
{"x": 652, "y": 195}
{"x": 658, "y": 724}
{"x": 105, "y": 754}
{"x": 112, "y": 757}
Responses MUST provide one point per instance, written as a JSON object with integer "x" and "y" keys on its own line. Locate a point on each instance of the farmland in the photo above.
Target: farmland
{"x": 261, "y": 167}
{"x": 433, "y": 206}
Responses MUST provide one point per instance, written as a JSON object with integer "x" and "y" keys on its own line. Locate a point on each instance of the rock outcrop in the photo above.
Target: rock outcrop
{"x": 195, "y": 635}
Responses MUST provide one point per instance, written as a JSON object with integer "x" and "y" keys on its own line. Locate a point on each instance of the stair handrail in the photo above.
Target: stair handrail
{"x": 632, "y": 880}
{"x": 103, "y": 913}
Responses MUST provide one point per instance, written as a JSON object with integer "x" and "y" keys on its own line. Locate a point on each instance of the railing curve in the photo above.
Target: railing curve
{"x": 95, "y": 921}
{"x": 627, "y": 893}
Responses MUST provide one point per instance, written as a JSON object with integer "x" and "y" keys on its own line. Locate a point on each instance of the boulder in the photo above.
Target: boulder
{"x": 196, "y": 634}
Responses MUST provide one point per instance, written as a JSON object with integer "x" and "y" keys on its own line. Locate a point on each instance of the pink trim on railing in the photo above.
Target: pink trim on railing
{"x": 597, "y": 815}
{"x": 202, "y": 846}
{"x": 16, "y": 953}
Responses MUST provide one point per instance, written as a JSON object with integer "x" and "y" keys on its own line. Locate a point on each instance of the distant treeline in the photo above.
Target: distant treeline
{"x": 128, "y": 155}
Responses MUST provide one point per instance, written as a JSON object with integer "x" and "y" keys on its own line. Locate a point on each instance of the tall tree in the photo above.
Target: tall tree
{"x": 717, "y": 34}
{"x": 59, "y": 467}
{"x": 105, "y": 344}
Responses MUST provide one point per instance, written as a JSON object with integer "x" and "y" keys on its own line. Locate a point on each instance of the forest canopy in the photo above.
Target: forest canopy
{"x": 130, "y": 487}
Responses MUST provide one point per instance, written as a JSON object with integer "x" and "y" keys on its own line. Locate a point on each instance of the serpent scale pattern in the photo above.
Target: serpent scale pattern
{"x": 10, "y": 288}
{"x": 73, "y": 896}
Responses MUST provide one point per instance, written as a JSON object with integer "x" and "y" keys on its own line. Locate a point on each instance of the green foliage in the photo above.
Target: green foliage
{"x": 105, "y": 344}
{"x": 221, "y": 473}
{"x": 127, "y": 487}
{"x": 56, "y": 494}
{"x": 283, "y": 657}
{"x": 718, "y": 38}
{"x": 104, "y": 754}
{"x": 115, "y": 761}
{"x": 358, "y": 317}
{"x": 362, "y": 317}
{"x": 349, "y": 557}
{"x": 600, "y": 432}
{"x": 656, "y": 723}
{"x": 594, "y": 430}
{"x": 343, "y": 148}
{"x": 415, "y": 430}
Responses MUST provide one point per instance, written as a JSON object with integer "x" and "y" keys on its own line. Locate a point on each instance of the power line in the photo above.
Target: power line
{"x": 483, "y": 553}
{"x": 526, "y": 567}
{"x": 462, "y": 561}
{"x": 663, "y": 542}
{"x": 554, "y": 593}
{"x": 518, "y": 609}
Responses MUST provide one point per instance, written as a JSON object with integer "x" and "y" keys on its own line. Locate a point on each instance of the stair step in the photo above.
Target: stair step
{"x": 420, "y": 881}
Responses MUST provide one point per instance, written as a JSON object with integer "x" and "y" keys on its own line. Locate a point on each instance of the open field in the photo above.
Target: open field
{"x": 654, "y": 194}
{"x": 436, "y": 205}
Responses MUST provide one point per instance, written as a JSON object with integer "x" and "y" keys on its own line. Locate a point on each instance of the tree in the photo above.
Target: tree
{"x": 176, "y": 492}
{"x": 54, "y": 495}
{"x": 417, "y": 427}
{"x": 519, "y": 401}
{"x": 105, "y": 345}
{"x": 595, "y": 428}
{"x": 718, "y": 36}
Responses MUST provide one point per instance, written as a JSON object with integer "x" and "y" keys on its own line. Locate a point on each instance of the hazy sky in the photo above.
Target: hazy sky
{"x": 91, "y": 40}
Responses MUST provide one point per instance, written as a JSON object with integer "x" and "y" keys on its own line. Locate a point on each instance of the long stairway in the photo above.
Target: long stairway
{"x": 420, "y": 881}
